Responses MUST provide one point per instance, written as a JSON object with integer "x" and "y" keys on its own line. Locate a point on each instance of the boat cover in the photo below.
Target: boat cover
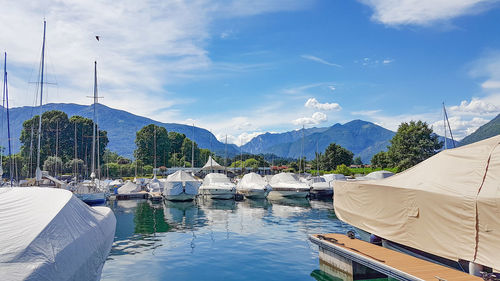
{"x": 253, "y": 181}
{"x": 377, "y": 175}
{"x": 129, "y": 187}
{"x": 448, "y": 205}
{"x": 49, "y": 234}
{"x": 332, "y": 177}
{"x": 180, "y": 182}
{"x": 217, "y": 181}
{"x": 287, "y": 180}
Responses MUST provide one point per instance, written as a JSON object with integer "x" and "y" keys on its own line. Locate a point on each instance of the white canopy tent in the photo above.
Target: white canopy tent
{"x": 448, "y": 205}
{"x": 49, "y": 234}
{"x": 212, "y": 165}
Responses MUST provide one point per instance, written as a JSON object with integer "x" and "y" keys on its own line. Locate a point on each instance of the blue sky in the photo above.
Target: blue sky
{"x": 246, "y": 67}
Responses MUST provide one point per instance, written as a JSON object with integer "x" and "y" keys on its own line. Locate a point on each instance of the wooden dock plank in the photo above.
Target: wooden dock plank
{"x": 418, "y": 268}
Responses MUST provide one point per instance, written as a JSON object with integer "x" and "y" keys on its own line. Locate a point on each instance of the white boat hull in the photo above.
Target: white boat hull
{"x": 92, "y": 198}
{"x": 217, "y": 193}
{"x": 254, "y": 194}
{"x": 289, "y": 193}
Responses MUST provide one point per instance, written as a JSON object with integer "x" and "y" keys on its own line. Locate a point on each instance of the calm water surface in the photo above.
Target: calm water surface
{"x": 218, "y": 240}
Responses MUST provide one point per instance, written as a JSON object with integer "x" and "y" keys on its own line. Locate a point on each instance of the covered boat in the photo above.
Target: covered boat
{"x": 287, "y": 185}
{"x": 320, "y": 187}
{"x": 180, "y": 186}
{"x": 217, "y": 186}
{"x": 253, "y": 185}
{"x": 48, "y": 234}
{"x": 212, "y": 166}
{"x": 90, "y": 192}
{"x": 448, "y": 205}
{"x": 154, "y": 185}
{"x": 377, "y": 175}
{"x": 129, "y": 188}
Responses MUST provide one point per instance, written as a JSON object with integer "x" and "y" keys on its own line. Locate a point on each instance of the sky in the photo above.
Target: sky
{"x": 245, "y": 67}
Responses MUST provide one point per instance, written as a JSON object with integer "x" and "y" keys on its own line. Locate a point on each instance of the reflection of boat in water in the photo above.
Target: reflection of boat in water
{"x": 288, "y": 207}
{"x": 256, "y": 203}
{"x": 183, "y": 215}
{"x": 207, "y": 203}
{"x": 149, "y": 218}
{"x": 292, "y": 202}
{"x": 322, "y": 204}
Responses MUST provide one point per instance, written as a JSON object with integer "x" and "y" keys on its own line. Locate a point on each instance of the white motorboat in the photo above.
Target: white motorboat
{"x": 180, "y": 186}
{"x": 320, "y": 187}
{"x": 90, "y": 192}
{"x": 47, "y": 233}
{"x": 253, "y": 186}
{"x": 287, "y": 185}
{"x": 217, "y": 186}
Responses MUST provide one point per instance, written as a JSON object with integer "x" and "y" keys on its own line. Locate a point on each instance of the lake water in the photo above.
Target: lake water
{"x": 219, "y": 240}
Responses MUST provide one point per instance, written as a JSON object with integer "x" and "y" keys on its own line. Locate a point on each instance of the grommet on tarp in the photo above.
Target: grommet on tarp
{"x": 351, "y": 234}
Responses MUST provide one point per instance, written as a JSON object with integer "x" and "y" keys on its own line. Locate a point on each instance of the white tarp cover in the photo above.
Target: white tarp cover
{"x": 129, "y": 187}
{"x": 216, "y": 180}
{"x": 116, "y": 183}
{"x": 377, "y": 175}
{"x": 155, "y": 185}
{"x": 49, "y": 234}
{"x": 179, "y": 182}
{"x": 212, "y": 165}
{"x": 332, "y": 177}
{"x": 253, "y": 181}
{"x": 287, "y": 180}
{"x": 448, "y": 205}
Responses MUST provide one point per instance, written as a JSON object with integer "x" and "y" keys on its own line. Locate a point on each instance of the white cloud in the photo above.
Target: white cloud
{"x": 491, "y": 84}
{"x": 144, "y": 47}
{"x": 423, "y": 12}
{"x": 460, "y": 127}
{"x": 317, "y": 118}
{"x": 387, "y": 61}
{"x": 332, "y": 88}
{"x": 476, "y": 106}
{"x": 320, "y": 60}
{"x": 366, "y": 112}
{"x": 313, "y": 103}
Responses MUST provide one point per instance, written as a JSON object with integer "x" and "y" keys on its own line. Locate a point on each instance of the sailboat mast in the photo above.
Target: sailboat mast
{"x": 449, "y": 127}
{"x": 92, "y": 175}
{"x": 192, "y": 151}
{"x": 1, "y": 124}
{"x": 6, "y": 87}
{"x": 38, "y": 170}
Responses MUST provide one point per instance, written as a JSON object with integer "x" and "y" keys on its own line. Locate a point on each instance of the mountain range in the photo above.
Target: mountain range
{"x": 488, "y": 130}
{"x": 363, "y": 138}
{"x": 120, "y": 125}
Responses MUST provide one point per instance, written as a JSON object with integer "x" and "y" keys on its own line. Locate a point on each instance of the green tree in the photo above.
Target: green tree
{"x": 186, "y": 148}
{"x": 251, "y": 164}
{"x": 145, "y": 141}
{"x": 413, "y": 143}
{"x": 381, "y": 160}
{"x": 343, "y": 169}
{"x": 336, "y": 155}
{"x": 53, "y": 165}
{"x": 357, "y": 161}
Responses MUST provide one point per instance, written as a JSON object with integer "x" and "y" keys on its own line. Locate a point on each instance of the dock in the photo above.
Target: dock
{"x": 155, "y": 196}
{"x": 342, "y": 253}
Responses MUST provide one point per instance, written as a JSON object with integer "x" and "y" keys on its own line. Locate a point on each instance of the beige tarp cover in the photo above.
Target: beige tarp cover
{"x": 448, "y": 205}
{"x": 212, "y": 165}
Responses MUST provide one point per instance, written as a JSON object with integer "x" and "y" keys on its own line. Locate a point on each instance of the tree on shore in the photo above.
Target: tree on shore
{"x": 413, "y": 143}
{"x": 334, "y": 156}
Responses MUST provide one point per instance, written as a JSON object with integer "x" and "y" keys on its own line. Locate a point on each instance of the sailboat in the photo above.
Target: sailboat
{"x": 47, "y": 233}
{"x": 5, "y": 106}
{"x": 92, "y": 192}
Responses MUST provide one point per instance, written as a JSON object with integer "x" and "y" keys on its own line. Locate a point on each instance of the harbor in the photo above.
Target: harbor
{"x": 250, "y": 140}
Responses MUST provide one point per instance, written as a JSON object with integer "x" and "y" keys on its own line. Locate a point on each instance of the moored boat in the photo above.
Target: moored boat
{"x": 287, "y": 185}
{"x": 217, "y": 186}
{"x": 49, "y": 234}
{"x": 253, "y": 186}
{"x": 180, "y": 186}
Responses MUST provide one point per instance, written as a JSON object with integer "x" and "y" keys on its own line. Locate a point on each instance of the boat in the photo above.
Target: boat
{"x": 253, "y": 186}
{"x": 217, "y": 186}
{"x": 377, "y": 175}
{"x": 287, "y": 185}
{"x": 320, "y": 187}
{"x": 47, "y": 233}
{"x": 180, "y": 186}
{"x": 445, "y": 206}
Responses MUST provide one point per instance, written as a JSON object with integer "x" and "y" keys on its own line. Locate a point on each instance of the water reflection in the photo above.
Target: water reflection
{"x": 218, "y": 239}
